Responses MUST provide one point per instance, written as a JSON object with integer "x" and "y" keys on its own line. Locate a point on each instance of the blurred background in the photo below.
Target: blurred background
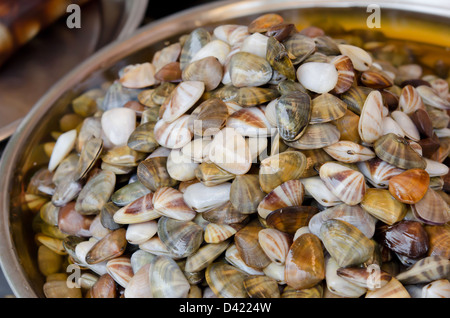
{"x": 37, "y": 48}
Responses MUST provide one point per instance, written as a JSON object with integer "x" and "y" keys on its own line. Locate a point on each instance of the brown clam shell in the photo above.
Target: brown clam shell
{"x": 72, "y": 222}
{"x": 407, "y": 238}
{"x": 409, "y": 186}
{"x": 258, "y": 286}
{"x": 264, "y": 22}
{"x": 153, "y": 174}
{"x": 290, "y": 219}
{"x": 305, "y": 263}
{"x": 439, "y": 239}
{"x": 109, "y": 247}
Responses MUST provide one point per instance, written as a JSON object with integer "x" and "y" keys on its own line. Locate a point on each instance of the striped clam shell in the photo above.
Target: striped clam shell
{"x": 275, "y": 244}
{"x": 245, "y": 193}
{"x": 167, "y": 280}
{"x": 247, "y": 69}
{"x": 175, "y": 134}
{"x": 345, "y": 183}
{"x": 225, "y": 280}
{"x": 120, "y": 270}
{"x": 204, "y": 256}
{"x": 393, "y": 289}
{"x": 194, "y": 42}
{"x": 258, "y": 286}
{"x": 289, "y": 193}
{"x": 316, "y": 136}
{"x": 216, "y": 233}
{"x": 432, "y": 209}
{"x": 410, "y": 100}
{"x": 426, "y": 270}
{"x": 316, "y": 188}
{"x": 207, "y": 70}
{"x": 96, "y": 193}
{"x": 361, "y": 60}
{"x": 378, "y": 172}
{"x": 346, "y": 73}
{"x": 370, "y": 124}
{"x": 339, "y": 286}
{"x": 327, "y": 107}
{"x": 169, "y": 202}
{"x": 250, "y": 122}
{"x": 182, "y": 98}
{"x": 349, "y": 152}
{"x": 138, "y": 211}
{"x": 293, "y": 113}
{"x": 363, "y": 277}
{"x": 152, "y": 173}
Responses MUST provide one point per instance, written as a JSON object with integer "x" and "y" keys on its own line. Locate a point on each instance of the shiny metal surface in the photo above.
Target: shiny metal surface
{"x": 23, "y": 153}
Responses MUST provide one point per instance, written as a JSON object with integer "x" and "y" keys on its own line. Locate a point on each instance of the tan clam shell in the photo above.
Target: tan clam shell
{"x": 209, "y": 117}
{"x": 432, "y": 209}
{"x": 247, "y": 69}
{"x": 431, "y": 98}
{"x": 439, "y": 239}
{"x": 289, "y": 193}
{"x": 139, "y": 284}
{"x": 233, "y": 257}
{"x": 361, "y": 60}
{"x": 139, "y": 75}
{"x": 345, "y": 183}
{"x": 349, "y": 152}
{"x": 363, "y": 277}
{"x": 216, "y": 233}
{"x": 170, "y": 202}
{"x": 210, "y": 174}
{"x": 138, "y": 211}
{"x": 382, "y": 205}
{"x": 109, "y": 247}
{"x": 120, "y": 270}
{"x": 245, "y": 193}
{"x": 208, "y": 70}
{"x": 394, "y": 289}
{"x": 226, "y": 280}
{"x": 346, "y": 73}
{"x": 438, "y": 289}
{"x": 407, "y": 125}
{"x": 204, "y": 256}
{"x": 182, "y": 98}
{"x": 258, "y": 286}
{"x": 280, "y": 168}
{"x": 327, "y": 107}
{"x": 370, "y": 124}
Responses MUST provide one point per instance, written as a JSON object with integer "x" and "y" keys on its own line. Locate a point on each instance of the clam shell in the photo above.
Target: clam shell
{"x": 224, "y": 214}
{"x": 377, "y": 79}
{"x": 278, "y": 58}
{"x": 216, "y": 233}
{"x": 122, "y": 156}
{"x": 142, "y": 139}
{"x": 182, "y": 238}
{"x": 245, "y": 193}
{"x": 168, "y": 54}
{"x": 349, "y": 152}
{"x": 210, "y": 174}
{"x": 355, "y": 98}
{"x": 313, "y": 292}
{"x": 167, "y": 280}
{"x": 64, "y": 145}
{"x": 208, "y": 70}
{"x": 407, "y": 238}
{"x": 438, "y": 289}
{"x": 275, "y": 244}
{"x": 280, "y": 168}
{"x": 170, "y": 202}
{"x": 439, "y": 239}
{"x": 432, "y": 209}
{"x": 397, "y": 151}
{"x": 105, "y": 287}
{"x": 317, "y": 77}
{"x": 290, "y": 219}
{"x": 96, "y": 193}
{"x": 129, "y": 193}
{"x": 152, "y": 173}
{"x": 204, "y": 256}
{"x": 71, "y": 222}
{"x": 60, "y": 289}
{"x": 230, "y": 151}
{"x": 299, "y": 47}
{"x": 263, "y": 22}
{"x": 345, "y": 183}
{"x": 338, "y": 285}
{"x": 175, "y": 134}
{"x": 245, "y": 96}
{"x": 233, "y": 257}
{"x": 246, "y": 241}
{"x": 345, "y": 242}
{"x": 247, "y": 69}
{"x": 410, "y": 100}
{"x": 120, "y": 270}
{"x": 138, "y": 75}
{"x": 326, "y": 108}
{"x": 194, "y": 42}
{"x": 364, "y": 277}
{"x": 431, "y": 98}
{"x": 361, "y": 60}
{"x": 289, "y": 193}
{"x": 138, "y": 211}
{"x": 380, "y": 204}
{"x": 139, "y": 284}
{"x": 391, "y": 126}
{"x": 255, "y": 43}
{"x": 316, "y": 188}
{"x": 180, "y": 167}
{"x": 258, "y": 286}
{"x": 89, "y": 155}
{"x": 202, "y": 198}
{"x": 425, "y": 270}
{"x": 141, "y": 232}
{"x": 352, "y": 214}
{"x": 209, "y": 117}
{"x": 182, "y": 98}
{"x": 293, "y": 113}
{"x": 226, "y": 281}
{"x": 250, "y": 122}
{"x": 409, "y": 186}
{"x": 109, "y": 247}
{"x": 305, "y": 265}
{"x": 316, "y": 136}
{"x": 346, "y": 73}
{"x": 406, "y": 124}
{"x": 370, "y": 124}
{"x": 216, "y": 48}
{"x": 156, "y": 247}
{"x": 378, "y": 172}
{"x": 117, "y": 125}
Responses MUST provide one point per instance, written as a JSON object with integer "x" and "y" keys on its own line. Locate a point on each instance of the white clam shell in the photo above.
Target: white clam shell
{"x": 138, "y": 75}
{"x": 317, "y": 77}
{"x": 156, "y": 246}
{"x": 435, "y": 168}
{"x": 230, "y": 151}
{"x": 301, "y": 231}
{"x": 316, "y": 188}
{"x": 81, "y": 251}
{"x": 349, "y": 152}
{"x": 361, "y": 59}
{"x": 118, "y": 124}
{"x": 437, "y": 289}
{"x": 180, "y": 167}
{"x": 141, "y": 232}
{"x": 370, "y": 125}
{"x": 250, "y": 122}
{"x": 197, "y": 149}
{"x": 216, "y": 48}
{"x": 255, "y": 44}
{"x": 407, "y": 125}
{"x": 202, "y": 198}
{"x": 275, "y": 271}
{"x": 182, "y": 98}
{"x": 175, "y": 134}
{"x": 431, "y": 97}
{"x": 338, "y": 285}
{"x": 64, "y": 145}
{"x": 233, "y": 257}
{"x": 139, "y": 285}
{"x": 391, "y": 126}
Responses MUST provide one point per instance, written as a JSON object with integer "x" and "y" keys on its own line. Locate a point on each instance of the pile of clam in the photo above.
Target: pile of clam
{"x": 250, "y": 161}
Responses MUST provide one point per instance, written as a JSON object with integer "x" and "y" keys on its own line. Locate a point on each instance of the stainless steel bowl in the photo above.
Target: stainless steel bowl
{"x": 407, "y": 19}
